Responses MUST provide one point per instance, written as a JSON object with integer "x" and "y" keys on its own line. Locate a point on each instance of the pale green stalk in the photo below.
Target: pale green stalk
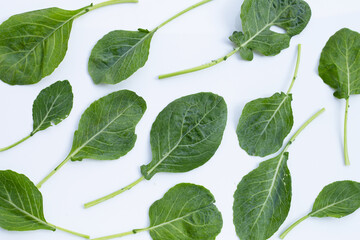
{"x": 346, "y": 153}
{"x": 15, "y": 144}
{"x": 283, "y": 235}
{"x": 71, "y": 232}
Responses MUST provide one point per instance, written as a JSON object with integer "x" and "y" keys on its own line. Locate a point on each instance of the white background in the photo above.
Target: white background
{"x": 316, "y": 158}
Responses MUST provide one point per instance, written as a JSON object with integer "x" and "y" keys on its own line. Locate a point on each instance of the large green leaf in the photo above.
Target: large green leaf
{"x": 33, "y": 44}
{"x": 186, "y": 212}
{"x": 107, "y": 128}
{"x": 52, "y": 105}
{"x": 264, "y": 124}
{"x": 186, "y": 134}
{"x": 337, "y": 200}
{"x": 118, "y": 55}
{"x": 340, "y": 63}
{"x": 258, "y": 16}
{"x": 262, "y": 199}
{"x": 21, "y": 204}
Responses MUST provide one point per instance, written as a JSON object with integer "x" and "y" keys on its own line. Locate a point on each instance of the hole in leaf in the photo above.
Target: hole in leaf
{"x": 277, "y": 29}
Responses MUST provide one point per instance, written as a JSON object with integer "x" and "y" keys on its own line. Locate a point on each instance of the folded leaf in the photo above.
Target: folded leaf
{"x": 262, "y": 199}
{"x": 186, "y": 134}
{"x": 21, "y": 204}
{"x": 258, "y": 16}
{"x": 52, "y": 105}
{"x": 118, "y": 55}
{"x": 264, "y": 124}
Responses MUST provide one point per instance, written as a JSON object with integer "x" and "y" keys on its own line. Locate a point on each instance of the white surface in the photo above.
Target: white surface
{"x": 316, "y": 158}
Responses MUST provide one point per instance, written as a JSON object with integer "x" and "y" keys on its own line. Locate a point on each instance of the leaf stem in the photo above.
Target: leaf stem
{"x": 182, "y": 12}
{"x": 71, "y": 232}
{"x": 53, "y": 171}
{"x": 114, "y": 194}
{"x": 346, "y": 153}
{"x": 15, "y": 144}
{"x": 135, "y": 231}
{"x": 296, "y": 69}
{"x": 283, "y": 235}
{"x": 107, "y": 3}
{"x": 201, "y": 67}
{"x": 312, "y": 118}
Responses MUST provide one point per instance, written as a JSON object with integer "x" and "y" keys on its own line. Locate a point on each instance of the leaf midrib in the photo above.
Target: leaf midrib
{"x": 329, "y": 206}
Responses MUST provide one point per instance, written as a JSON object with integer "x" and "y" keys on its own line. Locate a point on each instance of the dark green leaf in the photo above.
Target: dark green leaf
{"x": 186, "y": 212}
{"x": 264, "y": 124}
{"x": 52, "y": 105}
{"x": 107, "y": 128}
{"x": 186, "y": 134}
{"x": 337, "y": 200}
{"x": 21, "y": 204}
{"x": 340, "y": 63}
{"x": 118, "y": 55}
{"x": 262, "y": 199}
{"x": 33, "y": 44}
{"x": 258, "y": 16}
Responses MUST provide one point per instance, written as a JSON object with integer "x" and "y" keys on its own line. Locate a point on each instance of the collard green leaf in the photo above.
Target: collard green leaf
{"x": 264, "y": 124}
{"x": 186, "y": 212}
{"x": 52, "y": 105}
{"x": 33, "y": 44}
{"x": 340, "y": 63}
{"x": 21, "y": 204}
{"x": 337, "y": 200}
{"x": 262, "y": 199}
{"x": 118, "y": 55}
{"x": 107, "y": 128}
{"x": 186, "y": 134}
{"x": 258, "y": 16}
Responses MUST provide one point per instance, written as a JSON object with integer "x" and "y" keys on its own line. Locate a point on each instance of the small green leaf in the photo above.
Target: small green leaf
{"x": 264, "y": 124}
{"x": 186, "y": 134}
{"x": 339, "y": 65}
{"x": 118, "y": 55}
{"x": 21, "y": 204}
{"x": 33, "y": 44}
{"x": 262, "y": 199}
{"x": 258, "y": 16}
{"x": 52, "y": 105}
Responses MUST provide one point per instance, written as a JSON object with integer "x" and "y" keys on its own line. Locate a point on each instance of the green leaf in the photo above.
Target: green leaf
{"x": 262, "y": 199}
{"x": 33, "y": 44}
{"x": 340, "y": 63}
{"x": 118, "y": 55}
{"x": 107, "y": 128}
{"x": 186, "y": 212}
{"x": 21, "y": 204}
{"x": 186, "y": 134}
{"x": 337, "y": 200}
{"x": 264, "y": 124}
{"x": 52, "y": 105}
{"x": 258, "y": 16}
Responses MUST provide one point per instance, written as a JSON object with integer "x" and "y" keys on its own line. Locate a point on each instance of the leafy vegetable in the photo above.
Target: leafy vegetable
{"x": 33, "y": 44}
{"x": 106, "y": 129}
{"x": 257, "y": 17}
{"x": 121, "y": 53}
{"x": 52, "y": 105}
{"x": 184, "y": 136}
{"x": 339, "y": 68}
{"x": 186, "y": 212}
{"x": 21, "y": 205}
{"x": 262, "y": 199}
{"x": 336, "y": 200}
{"x": 265, "y": 122}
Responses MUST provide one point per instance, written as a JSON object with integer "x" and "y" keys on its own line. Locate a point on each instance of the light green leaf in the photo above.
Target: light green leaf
{"x": 21, "y": 204}
{"x": 186, "y": 134}
{"x": 52, "y": 105}
{"x": 118, "y": 55}
{"x": 264, "y": 124}
{"x": 33, "y": 44}
{"x": 339, "y": 65}
{"x": 262, "y": 199}
{"x": 258, "y": 16}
